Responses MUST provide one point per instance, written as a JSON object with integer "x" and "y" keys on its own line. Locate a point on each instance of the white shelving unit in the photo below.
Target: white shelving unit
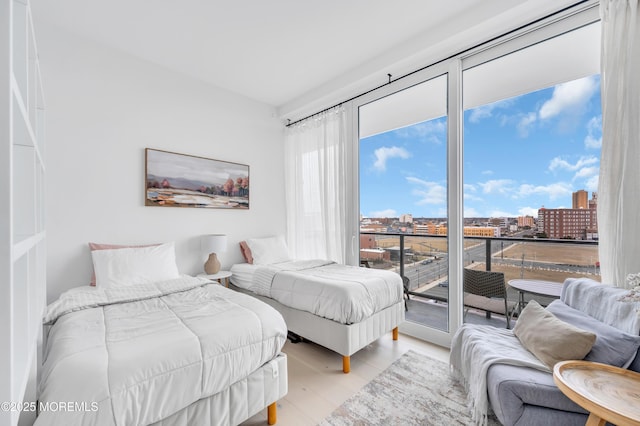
{"x": 22, "y": 210}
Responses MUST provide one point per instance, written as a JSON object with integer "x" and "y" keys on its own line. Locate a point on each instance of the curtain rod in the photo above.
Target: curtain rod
{"x": 462, "y": 52}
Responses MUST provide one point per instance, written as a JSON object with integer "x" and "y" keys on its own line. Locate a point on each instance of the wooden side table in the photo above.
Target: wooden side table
{"x": 221, "y": 275}
{"x": 608, "y": 393}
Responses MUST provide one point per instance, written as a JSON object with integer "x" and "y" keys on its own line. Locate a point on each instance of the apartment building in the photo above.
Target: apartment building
{"x": 577, "y": 223}
{"x": 469, "y": 231}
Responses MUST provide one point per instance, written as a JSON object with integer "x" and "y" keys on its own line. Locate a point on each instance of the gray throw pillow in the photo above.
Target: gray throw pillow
{"x": 550, "y": 339}
{"x": 612, "y": 346}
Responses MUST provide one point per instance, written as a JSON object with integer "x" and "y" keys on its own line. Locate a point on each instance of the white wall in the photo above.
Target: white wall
{"x": 103, "y": 109}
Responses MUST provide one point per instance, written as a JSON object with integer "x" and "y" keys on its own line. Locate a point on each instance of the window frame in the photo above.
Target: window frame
{"x": 453, "y": 68}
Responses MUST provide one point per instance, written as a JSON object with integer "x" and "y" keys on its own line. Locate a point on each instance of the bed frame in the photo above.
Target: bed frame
{"x": 240, "y": 401}
{"x": 345, "y": 339}
{"x": 261, "y": 389}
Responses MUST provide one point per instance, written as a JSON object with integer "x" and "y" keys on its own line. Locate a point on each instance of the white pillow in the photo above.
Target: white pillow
{"x": 268, "y": 250}
{"x": 135, "y": 265}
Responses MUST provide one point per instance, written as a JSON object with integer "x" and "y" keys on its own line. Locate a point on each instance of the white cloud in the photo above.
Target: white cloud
{"x": 477, "y": 114}
{"x": 592, "y": 183}
{"x": 471, "y": 212}
{"x": 593, "y": 140}
{"x": 433, "y": 131}
{"x": 500, "y": 213}
{"x": 587, "y": 172}
{"x": 560, "y": 164}
{"x": 385, "y": 153}
{"x": 569, "y": 98}
{"x": 528, "y": 211}
{"x": 525, "y": 123}
{"x": 469, "y": 191}
{"x": 384, "y": 213}
{"x": 441, "y": 212}
{"x": 428, "y": 192}
{"x": 593, "y": 143}
{"x": 471, "y": 197}
{"x": 486, "y": 111}
{"x": 497, "y": 186}
{"x": 553, "y": 191}
{"x": 487, "y": 172}
{"x": 431, "y": 126}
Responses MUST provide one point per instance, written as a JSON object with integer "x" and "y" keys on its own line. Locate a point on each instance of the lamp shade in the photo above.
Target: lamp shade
{"x": 213, "y": 243}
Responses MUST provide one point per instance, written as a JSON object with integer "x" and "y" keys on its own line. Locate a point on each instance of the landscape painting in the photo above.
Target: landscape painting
{"x": 179, "y": 180}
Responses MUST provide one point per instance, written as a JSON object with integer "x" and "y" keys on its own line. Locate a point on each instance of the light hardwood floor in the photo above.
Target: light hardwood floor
{"x": 317, "y": 385}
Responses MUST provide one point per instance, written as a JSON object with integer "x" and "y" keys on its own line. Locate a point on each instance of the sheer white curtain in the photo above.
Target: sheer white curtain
{"x": 318, "y": 182}
{"x": 619, "y": 186}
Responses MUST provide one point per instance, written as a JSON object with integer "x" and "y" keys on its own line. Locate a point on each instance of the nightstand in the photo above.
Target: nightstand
{"x": 221, "y": 275}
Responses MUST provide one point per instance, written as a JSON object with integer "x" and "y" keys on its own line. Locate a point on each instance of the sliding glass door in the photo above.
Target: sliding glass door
{"x": 403, "y": 194}
{"x": 532, "y": 135}
{"x": 460, "y": 163}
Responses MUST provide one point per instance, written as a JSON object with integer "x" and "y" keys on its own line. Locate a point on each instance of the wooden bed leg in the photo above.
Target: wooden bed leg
{"x": 272, "y": 413}
{"x": 346, "y": 364}
{"x": 395, "y": 333}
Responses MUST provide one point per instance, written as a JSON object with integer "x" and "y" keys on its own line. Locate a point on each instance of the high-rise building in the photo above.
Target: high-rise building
{"x": 580, "y": 223}
{"x": 580, "y": 199}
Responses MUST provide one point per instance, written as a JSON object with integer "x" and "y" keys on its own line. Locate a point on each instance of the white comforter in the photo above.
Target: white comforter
{"x": 346, "y": 294}
{"x": 135, "y": 356}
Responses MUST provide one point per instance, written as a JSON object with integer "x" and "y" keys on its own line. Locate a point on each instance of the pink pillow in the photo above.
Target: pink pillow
{"x": 246, "y": 252}
{"x": 97, "y": 246}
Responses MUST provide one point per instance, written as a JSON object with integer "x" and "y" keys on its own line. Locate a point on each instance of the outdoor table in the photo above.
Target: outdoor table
{"x": 535, "y": 287}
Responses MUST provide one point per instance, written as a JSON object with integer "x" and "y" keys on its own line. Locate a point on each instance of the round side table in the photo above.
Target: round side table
{"x": 608, "y": 393}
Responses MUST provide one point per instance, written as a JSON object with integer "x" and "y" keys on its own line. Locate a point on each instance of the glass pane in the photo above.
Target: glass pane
{"x": 531, "y": 165}
{"x": 403, "y": 197}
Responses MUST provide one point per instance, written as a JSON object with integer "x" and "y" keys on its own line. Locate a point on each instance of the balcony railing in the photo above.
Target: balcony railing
{"x": 424, "y": 260}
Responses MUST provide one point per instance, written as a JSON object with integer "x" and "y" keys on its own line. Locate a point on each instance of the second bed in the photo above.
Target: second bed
{"x": 343, "y": 308}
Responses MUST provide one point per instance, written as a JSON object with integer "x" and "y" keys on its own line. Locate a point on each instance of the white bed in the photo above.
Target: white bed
{"x": 343, "y": 308}
{"x": 176, "y": 352}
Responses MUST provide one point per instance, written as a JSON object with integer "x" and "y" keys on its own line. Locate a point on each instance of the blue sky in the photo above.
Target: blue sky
{"x": 520, "y": 154}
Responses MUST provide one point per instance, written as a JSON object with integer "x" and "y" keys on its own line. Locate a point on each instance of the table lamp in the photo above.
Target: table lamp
{"x": 212, "y": 244}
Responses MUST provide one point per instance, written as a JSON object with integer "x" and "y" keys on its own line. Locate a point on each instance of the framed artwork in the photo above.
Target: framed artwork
{"x": 180, "y": 180}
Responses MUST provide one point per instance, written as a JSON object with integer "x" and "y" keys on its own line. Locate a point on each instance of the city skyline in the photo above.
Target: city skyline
{"x": 520, "y": 154}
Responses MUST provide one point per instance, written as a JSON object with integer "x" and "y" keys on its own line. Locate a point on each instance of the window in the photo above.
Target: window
{"x": 495, "y": 178}
{"x": 403, "y": 191}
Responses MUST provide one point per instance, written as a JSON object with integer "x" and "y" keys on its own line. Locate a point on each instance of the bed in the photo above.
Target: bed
{"x": 343, "y": 308}
{"x": 178, "y": 351}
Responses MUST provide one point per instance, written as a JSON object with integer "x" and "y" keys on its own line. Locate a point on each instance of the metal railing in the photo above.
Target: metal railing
{"x": 570, "y": 262}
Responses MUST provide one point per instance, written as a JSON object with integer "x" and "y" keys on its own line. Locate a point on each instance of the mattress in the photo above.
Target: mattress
{"x": 141, "y": 354}
{"x": 243, "y": 274}
{"x": 346, "y": 294}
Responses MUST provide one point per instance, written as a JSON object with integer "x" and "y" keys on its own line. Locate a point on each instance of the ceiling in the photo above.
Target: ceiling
{"x": 285, "y": 53}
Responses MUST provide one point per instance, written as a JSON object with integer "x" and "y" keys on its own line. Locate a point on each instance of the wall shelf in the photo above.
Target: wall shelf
{"x": 22, "y": 209}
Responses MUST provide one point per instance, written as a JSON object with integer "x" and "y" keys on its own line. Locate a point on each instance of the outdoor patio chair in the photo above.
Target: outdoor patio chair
{"x": 405, "y": 283}
{"x": 483, "y": 289}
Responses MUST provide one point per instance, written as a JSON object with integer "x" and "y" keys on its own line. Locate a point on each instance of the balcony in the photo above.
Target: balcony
{"x": 423, "y": 259}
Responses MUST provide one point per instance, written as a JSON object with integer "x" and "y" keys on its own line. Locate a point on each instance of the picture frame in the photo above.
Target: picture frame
{"x": 181, "y": 180}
